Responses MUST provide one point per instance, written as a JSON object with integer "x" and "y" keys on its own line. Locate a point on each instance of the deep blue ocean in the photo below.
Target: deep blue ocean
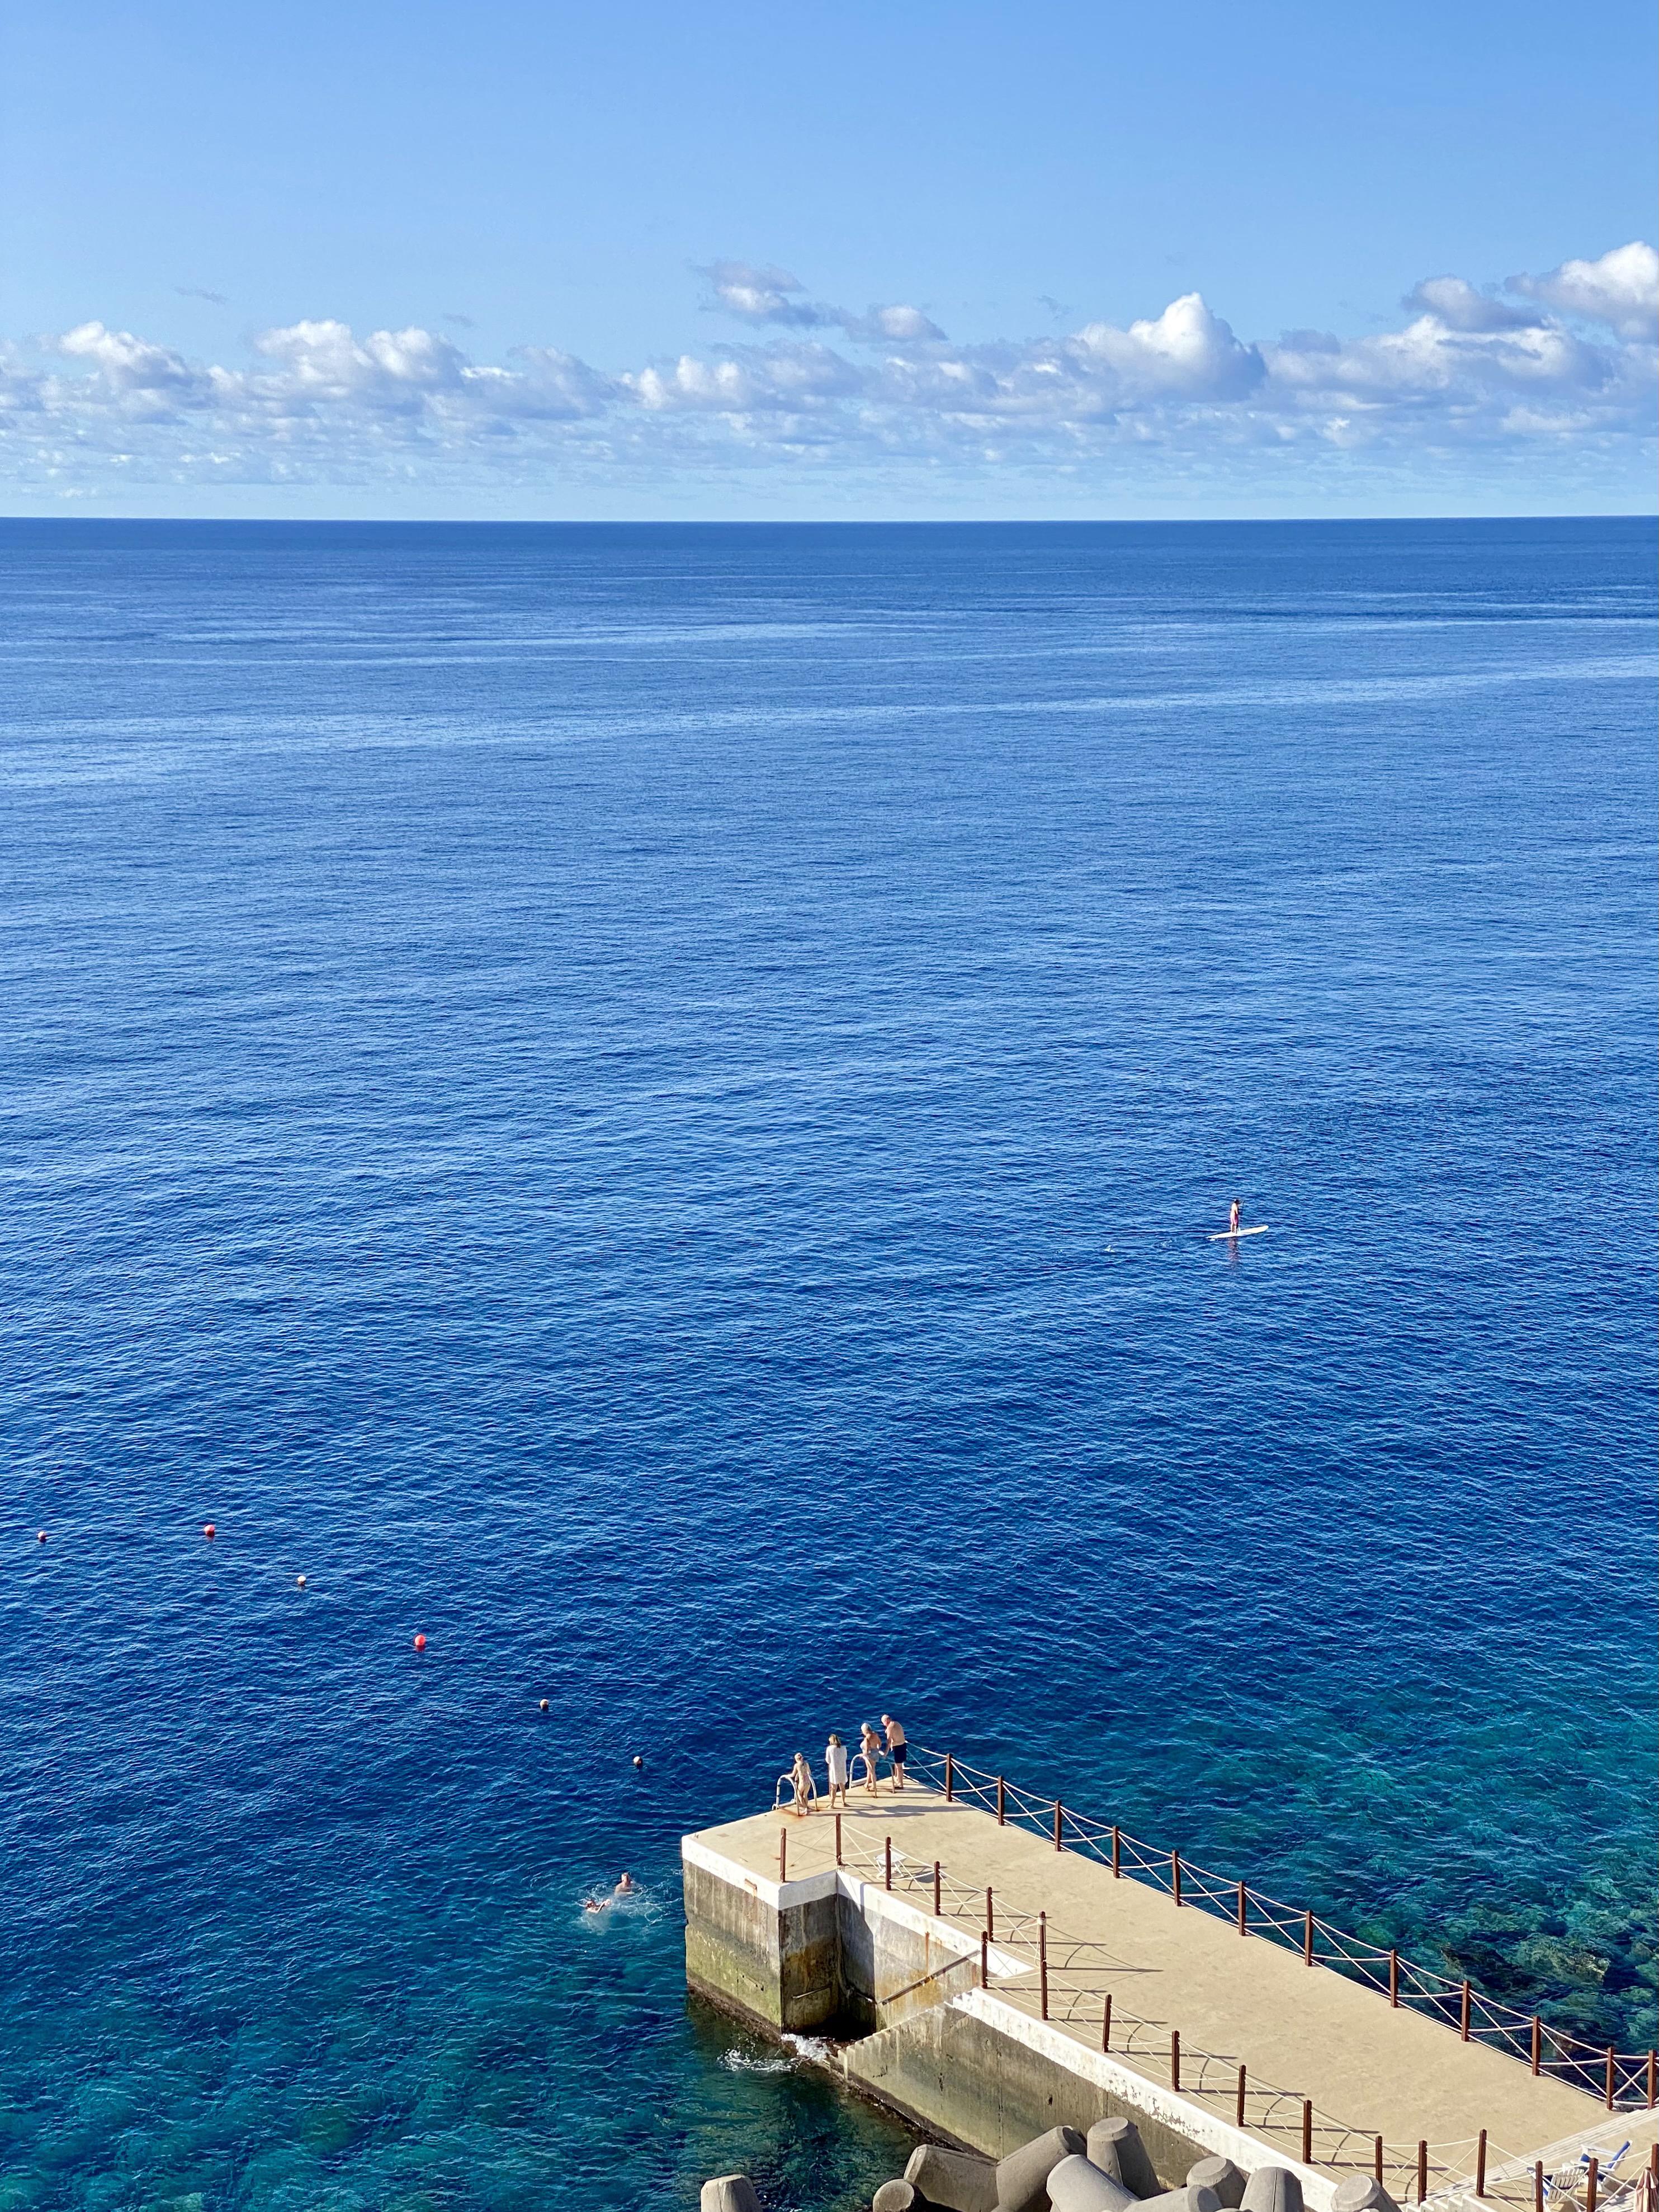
{"x": 643, "y": 1103}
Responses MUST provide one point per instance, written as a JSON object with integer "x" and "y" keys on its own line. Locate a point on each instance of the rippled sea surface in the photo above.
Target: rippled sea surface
{"x": 643, "y": 1103}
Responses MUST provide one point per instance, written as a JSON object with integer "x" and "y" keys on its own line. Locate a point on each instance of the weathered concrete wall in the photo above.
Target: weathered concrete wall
{"x": 772, "y": 1951}
{"x": 896, "y": 1961}
{"x": 990, "y": 2077}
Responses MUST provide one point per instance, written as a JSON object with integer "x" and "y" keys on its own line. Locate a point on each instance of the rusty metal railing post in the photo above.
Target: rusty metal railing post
{"x": 783, "y": 1854}
{"x": 1537, "y": 2044}
{"x": 1243, "y": 1909}
{"x": 1612, "y": 2078}
{"x": 887, "y": 1850}
{"x": 1376, "y": 2161}
{"x": 1480, "y": 2163}
{"x": 949, "y": 1778}
{"x": 1042, "y": 1962}
{"x": 936, "y": 1910}
{"x": 1306, "y": 1939}
{"x": 1174, "y": 1875}
{"x": 1106, "y": 2024}
{"x": 990, "y": 1916}
{"x": 984, "y": 1960}
{"x": 1422, "y": 2172}
{"x": 1538, "y": 2185}
{"x": 838, "y": 1860}
{"x": 1058, "y": 1844}
{"x": 1463, "y": 2014}
{"x": 1116, "y": 1840}
{"x": 1394, "y": 1978}
{"x": 1653, "y": 2082}
{"x": 1174, "y": 2058}
{"x": 1307, "y": 2131}
{"x": 1239, "y": 2115}
{"x": 1591, "y": 2178}
{"x": 1002, "y": 1814}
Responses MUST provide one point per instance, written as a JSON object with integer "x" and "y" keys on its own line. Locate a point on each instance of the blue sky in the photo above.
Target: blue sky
{"x": 539, "y": 260}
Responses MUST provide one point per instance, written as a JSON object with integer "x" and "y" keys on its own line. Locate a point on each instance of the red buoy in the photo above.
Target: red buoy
{"x": 41, "y": 1538}
{"x": 209, "y": 1529}
{"x": 419, "y": 1644}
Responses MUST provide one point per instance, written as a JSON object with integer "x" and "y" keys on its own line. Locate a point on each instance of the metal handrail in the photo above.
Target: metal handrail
{"x": 1623, "y": 2080}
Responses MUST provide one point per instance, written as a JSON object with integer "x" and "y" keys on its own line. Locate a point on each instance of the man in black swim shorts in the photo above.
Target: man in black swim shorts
{"x": 898, "y": 1749}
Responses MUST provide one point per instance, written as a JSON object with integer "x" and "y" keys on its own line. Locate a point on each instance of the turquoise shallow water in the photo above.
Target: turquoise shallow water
{"x": 640, "y": 1103}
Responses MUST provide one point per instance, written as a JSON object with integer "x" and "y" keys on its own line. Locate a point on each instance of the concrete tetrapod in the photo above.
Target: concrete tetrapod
{"x": 1272, "y": 2189}
{"x": 730, "y": 2192}
{"x": 1219, "y": 2174}
{"x": 1184, "y": 2200}
{"x": 898, "y": 2197}
{"x": 1078, "y": 2185}
{"x": 957, "y": 2180}
{"x": 1362, "y": 2192}
{"x": 1115, "y": 2146}
{"x": 1023, "y": 2176}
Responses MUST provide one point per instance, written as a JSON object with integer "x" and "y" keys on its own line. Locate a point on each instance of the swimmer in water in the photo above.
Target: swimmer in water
{"x": 595, "y": 1904}
{"x": 1233, "y": 1218}
{"x": 625, "y": 1887}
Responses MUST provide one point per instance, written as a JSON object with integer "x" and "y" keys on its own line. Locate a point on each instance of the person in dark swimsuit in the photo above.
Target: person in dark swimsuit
{"x": 897, "y": 1750}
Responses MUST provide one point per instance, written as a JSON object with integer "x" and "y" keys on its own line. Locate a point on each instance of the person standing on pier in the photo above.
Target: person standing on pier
{"x": 870, "y": 1752}
{"x": 898, "y": 1749}
{"x": 800, "y": 1776}
{"x": 835, "y": 1766}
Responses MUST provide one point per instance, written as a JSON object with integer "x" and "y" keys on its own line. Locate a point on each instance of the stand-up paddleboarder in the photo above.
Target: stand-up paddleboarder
{"x": 1234, "y": 1217}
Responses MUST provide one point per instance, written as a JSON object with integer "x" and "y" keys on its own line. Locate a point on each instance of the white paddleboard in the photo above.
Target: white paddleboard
{"x": 1226, "y": 1236}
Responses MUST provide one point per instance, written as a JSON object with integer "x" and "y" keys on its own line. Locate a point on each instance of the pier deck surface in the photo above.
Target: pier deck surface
{"x": 1307, "y": 2032}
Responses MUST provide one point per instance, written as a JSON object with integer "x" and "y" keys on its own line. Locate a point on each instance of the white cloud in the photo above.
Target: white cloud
{"x": 1621, "y": 289}
{"x": 771, "y": 295}
{"x": 763, "y": 294}
{"x": 1454, "y": 302}
{"x": 1187, "y": 353}
{"x": 316, "y": 401}
{"x": 138, "y": 375}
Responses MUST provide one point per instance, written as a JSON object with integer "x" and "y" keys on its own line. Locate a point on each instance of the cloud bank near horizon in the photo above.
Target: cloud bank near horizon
{"x": 1559, "y": 362}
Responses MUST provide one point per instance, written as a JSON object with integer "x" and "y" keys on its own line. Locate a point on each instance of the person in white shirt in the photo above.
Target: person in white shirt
{"x": 835, "y": 1763}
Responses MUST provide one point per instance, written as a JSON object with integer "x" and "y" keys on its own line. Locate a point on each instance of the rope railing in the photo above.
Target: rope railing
{"x": 1066, "y": 1981}
{"x": 1621, "y": 2080}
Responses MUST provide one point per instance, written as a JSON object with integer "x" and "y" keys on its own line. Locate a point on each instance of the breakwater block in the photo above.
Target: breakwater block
{"x": 1115, "y": 2146}
{"x": 1221, "y": 2175}
{"x": 1184, "y": 2200}
{"x": 1023, "y": 2176}
{"x": 955, "y": 2179}
{"x": 898, "y": 2197}
{"x": 1272, "y": 2189}
{"x": 1362, "y": 2192}
{"x": 1076, "y": 2184}
{"x": 729, "y": 2192}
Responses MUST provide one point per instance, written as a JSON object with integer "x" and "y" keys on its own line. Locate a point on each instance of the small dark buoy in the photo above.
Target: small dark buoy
{"x": 543, "y": 1704}
{"x": 209, "y": 1530}
{"x": 419, "y": 1644}
{"x": 638, "y": 1761}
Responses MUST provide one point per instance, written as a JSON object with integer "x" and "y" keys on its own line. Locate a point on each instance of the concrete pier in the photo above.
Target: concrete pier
{"x": 894, "y": 1987}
